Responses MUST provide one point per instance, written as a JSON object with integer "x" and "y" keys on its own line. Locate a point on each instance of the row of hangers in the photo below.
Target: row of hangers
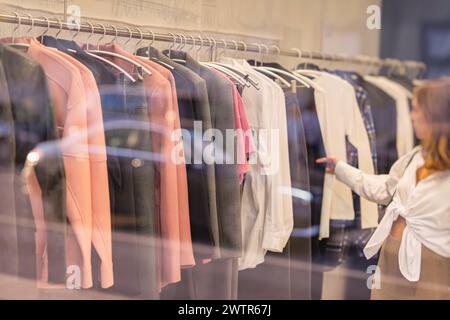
{"x": 233, "y": 72}
{"x": 301, "y": 77}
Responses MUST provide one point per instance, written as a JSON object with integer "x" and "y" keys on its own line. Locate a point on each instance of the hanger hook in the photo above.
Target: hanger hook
{"x": 211, "y": 48}
{"x": 199, "y": 47}
{"x": 60, "y": 27}
{"x": 150, "y": 32}
{"x": 32, "y": 23}
{"x": 245, "y": 47}
{"x": 78, "y": 31}
{"x": 178, "y": 48}
{"x": 225, "y": 44}
{"x": 236, "y": 46}
{"x": 214, "y": 49}
{"x": 189, "y": 36}
{"x": 19, "y": 18}
{"x": 259, "y": 52}
{"x": 172, "y": 44}
{"x": 140, "y": 40}
{"x": 183, "y": 36}
{"x": 267, "y": 52}
{"x": 130, "y": 35}
{"x": 277, "y": 48}
{"x": 102, "y": 37}
{"x": 90, "y": 36}
{"x": 116, "y": 32}
{"x": 177, "y": 45}
{"x": 48, "y": 28}
{"x": 299, "y": 52}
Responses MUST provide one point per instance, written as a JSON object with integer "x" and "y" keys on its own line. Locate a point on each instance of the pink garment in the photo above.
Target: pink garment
{"x": 186, "y": 250}
{"x": 161, "y": 113}
{"x": 101, "y": 212}
{"x": 69, "y": 106}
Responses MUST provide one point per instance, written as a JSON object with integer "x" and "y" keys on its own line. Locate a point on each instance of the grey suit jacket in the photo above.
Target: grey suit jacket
{"x": 220, "y": 96}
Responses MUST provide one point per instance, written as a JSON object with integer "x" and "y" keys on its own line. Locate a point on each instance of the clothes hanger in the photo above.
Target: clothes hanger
{"x": 290, "y": 75}
{"x": 245, "y": 76}
{"x": 221, "y": 69}
{"x": 171, "y": 45}
{"x": 99, "y": 52}
{"x": 108, "y": 62}
{"x": 227, "y": 72}
{"x": 149, "y": 53}
{"x": 237, "y": 77}
{"x": 20, "y": 45}
{"x": 193, "y": 42}
{"x": 208, "y": 48}
{"x": 267, "y": 72}
{"x": 178, "y": 48}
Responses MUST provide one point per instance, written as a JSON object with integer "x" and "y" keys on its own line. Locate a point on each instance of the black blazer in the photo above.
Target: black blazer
{"x": 33, "y": 124}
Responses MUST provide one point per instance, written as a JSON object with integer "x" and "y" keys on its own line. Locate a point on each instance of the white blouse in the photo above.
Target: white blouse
{"x": 425, "y": 206}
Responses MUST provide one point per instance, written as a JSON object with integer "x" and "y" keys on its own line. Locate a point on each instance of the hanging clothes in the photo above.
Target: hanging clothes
{"x": 220, "y": 96}
{"x": 194, "y": 106}
{"x": 162, "y": 119}
{"x": 405, "y": 133}
{"x": 267, "y": 187}
{"x": 9, "y": 260}
{"x": 100, "y": 203}
{"x": 385, "y": 120}
{"x": 69, "y": 105}
{"x": 332, "y": 95}
{"x": 132, "y": 194}
{"x": 111, "y": 89}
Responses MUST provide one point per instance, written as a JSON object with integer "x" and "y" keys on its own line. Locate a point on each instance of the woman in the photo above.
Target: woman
{"x": 414, "y": 233}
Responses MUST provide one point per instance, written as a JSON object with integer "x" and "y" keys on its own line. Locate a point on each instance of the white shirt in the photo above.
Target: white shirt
{"x": 340, "y": 117}
{"x": 405, "y": 131}
{"x": 425, "y": 207}
{"x": 267, "y": 213}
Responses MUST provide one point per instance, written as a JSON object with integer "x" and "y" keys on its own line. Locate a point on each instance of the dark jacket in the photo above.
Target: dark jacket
{"x": 33, "y": 124}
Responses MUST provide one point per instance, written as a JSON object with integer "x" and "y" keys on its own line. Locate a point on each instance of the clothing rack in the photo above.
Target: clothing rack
{"x": 143, "y": 33}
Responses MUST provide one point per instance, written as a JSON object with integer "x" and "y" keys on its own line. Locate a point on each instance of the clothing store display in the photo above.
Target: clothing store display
{"x": 152, "y": 173}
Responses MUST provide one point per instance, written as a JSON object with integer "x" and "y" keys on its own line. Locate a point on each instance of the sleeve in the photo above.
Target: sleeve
{"x": 101, "y": 211}
{"x": 376, "y": 188}
{"x": 279, "y": 218}
{"x": 370, "y": 187}
{"x": 358, "y": 136}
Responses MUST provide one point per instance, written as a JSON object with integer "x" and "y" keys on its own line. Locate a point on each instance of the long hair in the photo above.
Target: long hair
{"x": 433, "y": 99}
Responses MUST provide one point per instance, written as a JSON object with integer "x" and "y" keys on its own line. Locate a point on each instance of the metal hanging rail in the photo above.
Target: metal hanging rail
{"x": 144, "y": 34}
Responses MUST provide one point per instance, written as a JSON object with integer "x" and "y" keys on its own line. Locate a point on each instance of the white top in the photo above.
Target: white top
{"x": 425, "y": 207}
{"x": 267, "y": 214}
{"x": 340, "y": 117}
{"x": 405, "y": 131}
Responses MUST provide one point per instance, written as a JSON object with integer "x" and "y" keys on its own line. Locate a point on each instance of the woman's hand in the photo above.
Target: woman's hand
{"x": 330, "y": 163}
